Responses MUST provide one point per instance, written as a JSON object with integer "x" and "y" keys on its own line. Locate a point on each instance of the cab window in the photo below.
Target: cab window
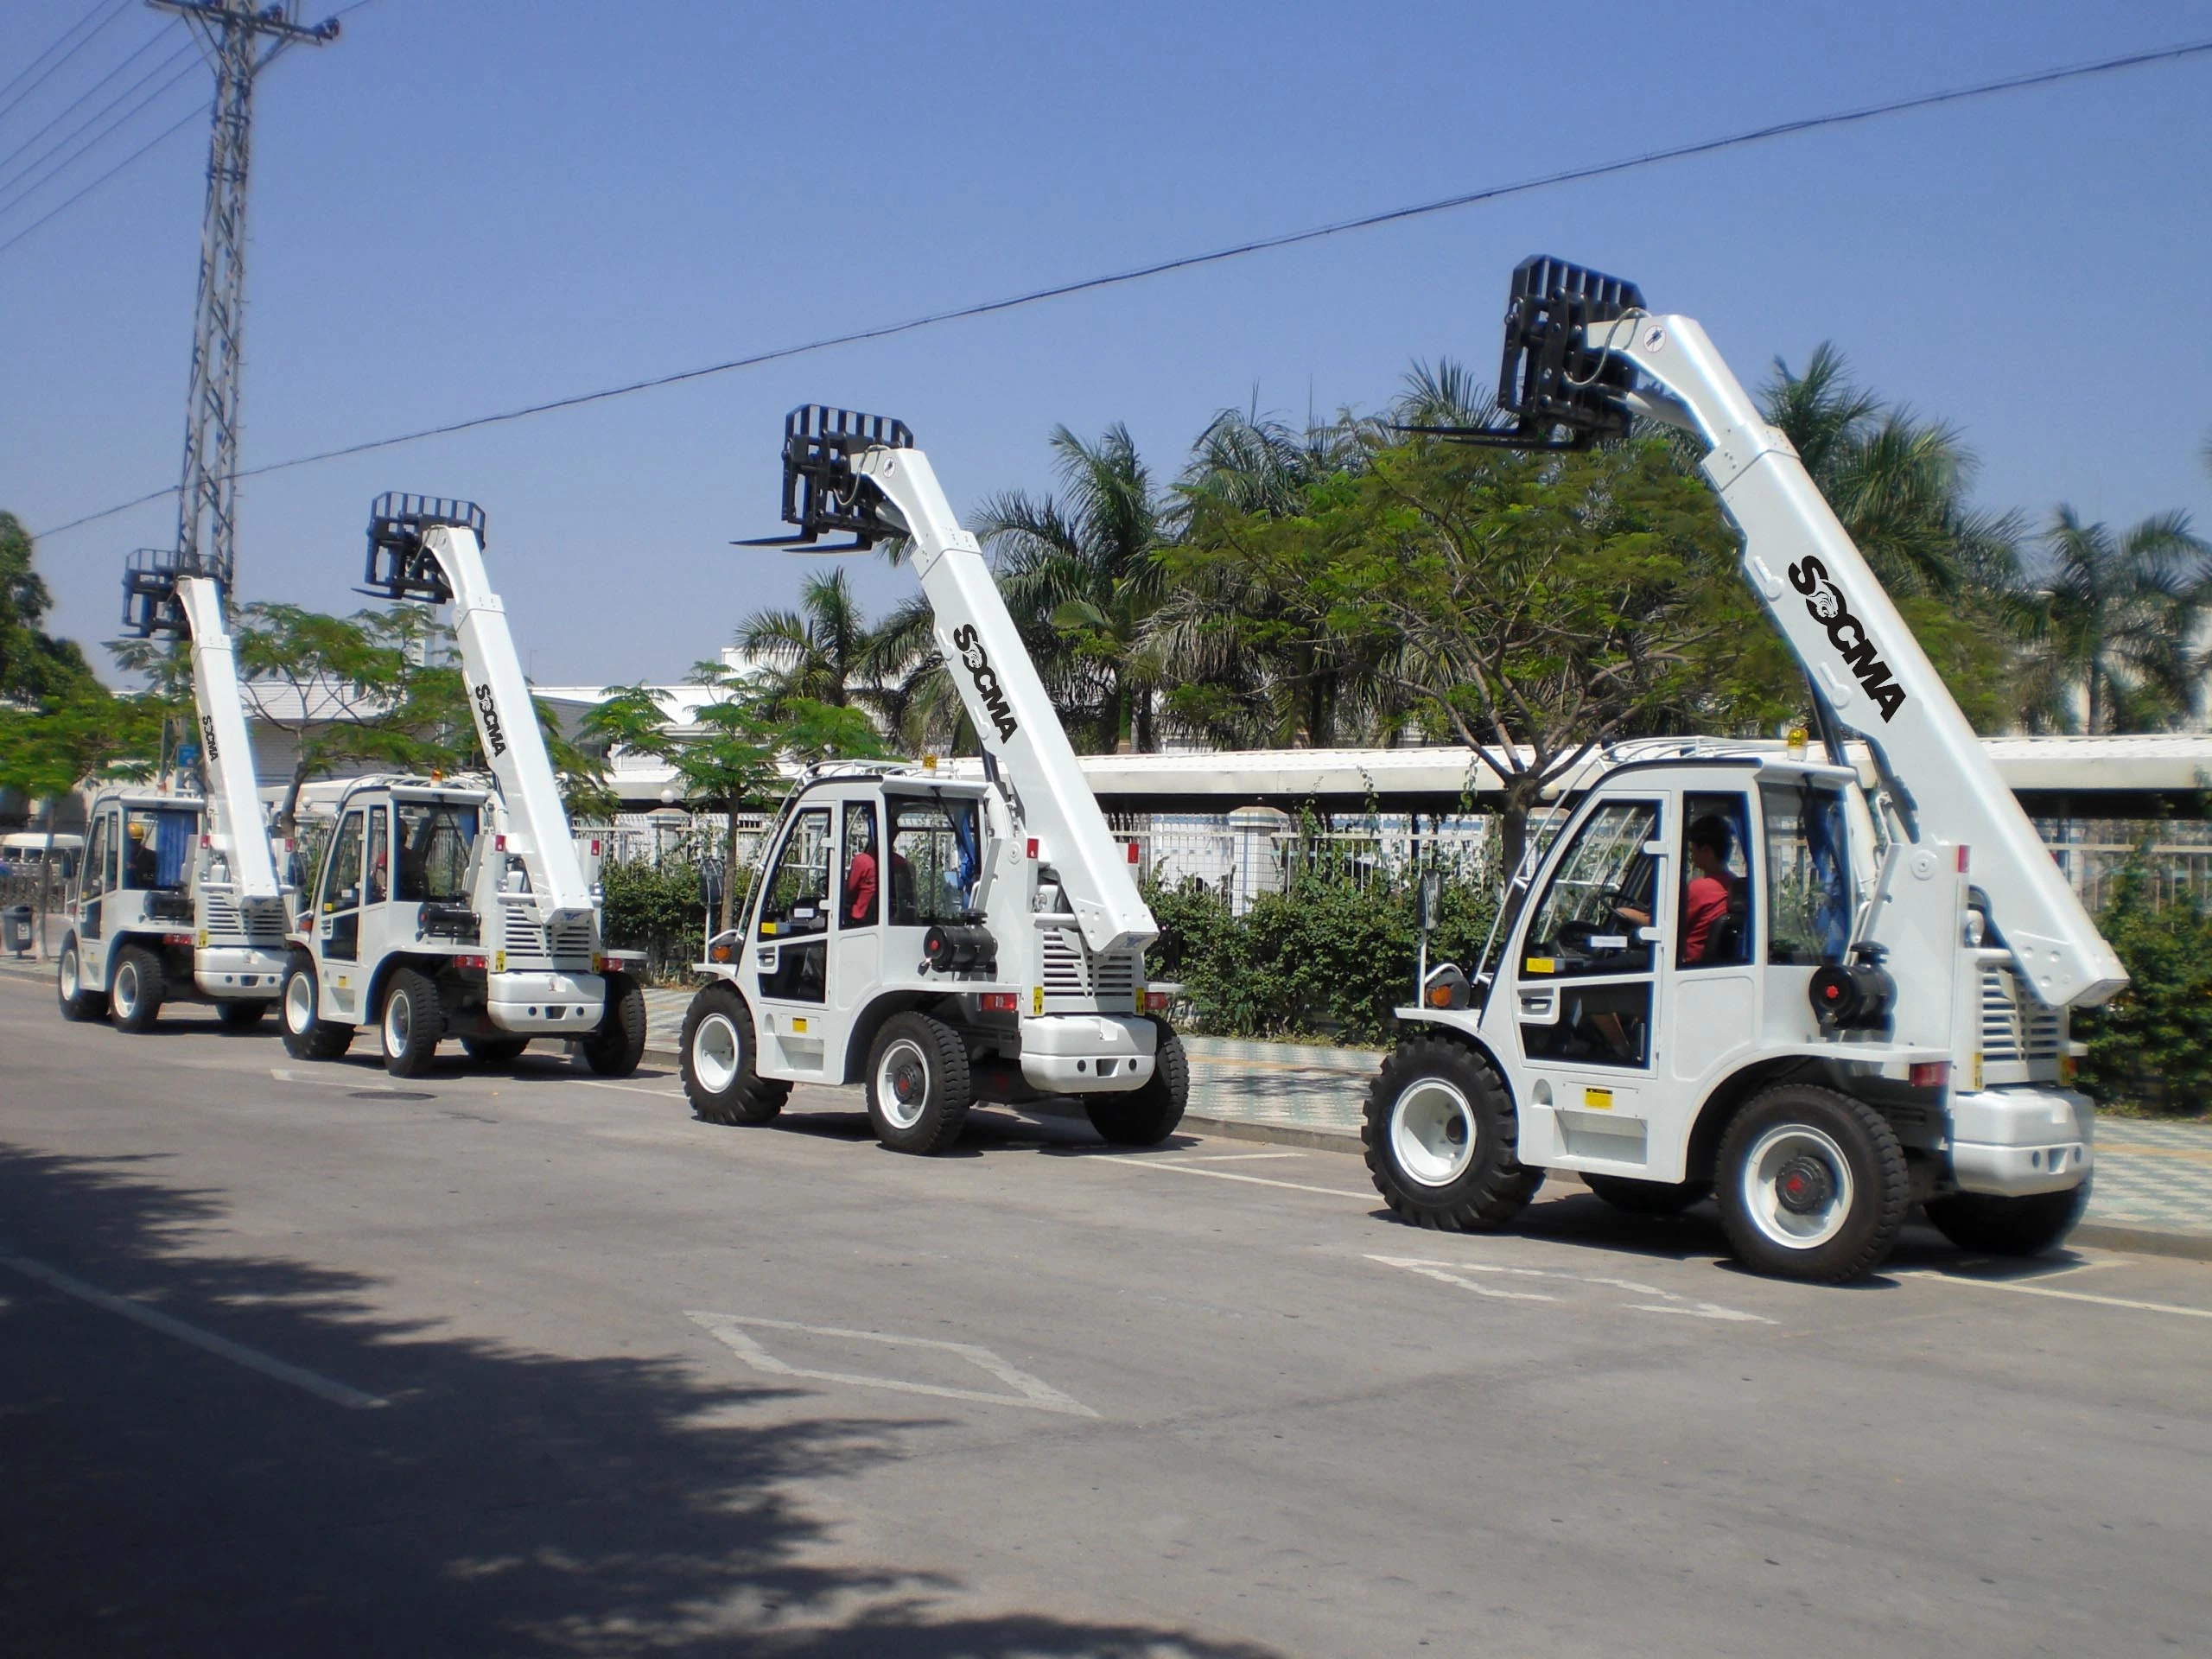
{"x": 860, "y": 899}
{"x": 379, "y": 855}
{"x": 1715, "y": 929}
{"x": 435, "y": 841}
{"x": 1809, "y": 878}
{"x": 96, "y": 859}
{"x": 936, "y": 857}
{"x": 796, "y": 898}
{"x": 1601, "y": 893}
{"x": 341, "y": 876}
{"x": 159, "y": 839}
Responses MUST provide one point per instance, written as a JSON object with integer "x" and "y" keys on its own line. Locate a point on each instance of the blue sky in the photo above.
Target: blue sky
{"x": 460, "y": 208}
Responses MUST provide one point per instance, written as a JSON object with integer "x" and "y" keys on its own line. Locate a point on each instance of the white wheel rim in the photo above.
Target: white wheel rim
{"x": 1433, "y": 1132}
{"x": 299, "y": 1004}
{"x": 126, "y": 989}
{"x": 714, "y": 1051}
{"x": 902, "y": 1083}
{"x": 1797, "y": 1187}
{"x": 69, "y": 974}
{"x": 398, "y": 1023}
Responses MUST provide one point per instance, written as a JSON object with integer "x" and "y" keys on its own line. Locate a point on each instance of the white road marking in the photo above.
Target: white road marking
{"x": 1228, "y": 1175}
{"x": 1449, "y": 1272}
{"x": 238, "y": 1353}
{"x": 1932, "y": 1276}
{"x": 1239, "y": 1157}
{"x": 1032, "y": 1392}
{"x": 631, "y": 1088}
{"x": 356, "y": 1083}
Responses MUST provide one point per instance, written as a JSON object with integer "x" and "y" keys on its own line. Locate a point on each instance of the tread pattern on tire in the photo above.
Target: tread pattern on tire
{"x": 947, "y": 1058}
{"x": 86, "y": 1004}
{"x": 426, "y": 1023}
{"x": 322, "y": 1040}
{"x": 135, "y": 958}
{"x": 1837, "y": 1263}
{"x": 618, "y": 1042}
{"x": 1148, "y": 1115}
{"x": 1497, "y": 1187}
{"x": 750, "y": 1098}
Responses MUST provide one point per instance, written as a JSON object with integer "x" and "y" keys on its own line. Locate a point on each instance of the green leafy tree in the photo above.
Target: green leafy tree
{"x": 1532, "y": 606}
{"x": 33, "y": 663}
{"x": 817, "y": 653}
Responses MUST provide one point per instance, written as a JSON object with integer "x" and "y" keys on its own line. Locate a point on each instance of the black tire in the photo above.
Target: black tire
{"x": 721, "y": 1083}
{"x": 494, "y": 1052}
{"x": 412, "y": 1024}
{"x": 919, "y": 1087}
{"x": 1988, "y": 1225}
{"x": 1811, "y": 1184}
{"x": 1441, "y": 1138}
{"x": 77, "y": 1002}
{"x": 308, "y": 1035}
{"x": 1147, "y": 1115}
{"x": 241, "y": 1016}
{"x": 135, "y": 988}
{"x": 1633, "y": 1198}
{"x": 618, "y": 1042}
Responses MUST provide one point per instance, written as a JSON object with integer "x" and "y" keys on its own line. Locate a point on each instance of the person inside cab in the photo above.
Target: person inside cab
{"x": 1712, "y": 904}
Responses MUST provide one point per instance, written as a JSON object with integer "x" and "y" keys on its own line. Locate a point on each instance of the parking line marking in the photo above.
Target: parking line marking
{"x": 1933, "y": 1277}
{"x": 1449, "y": 1272}
{"x": 237, "y": 1352}
{"x": 1228, "y": 1175}
{"x": 1436, "y": 1271}
{"x": 1240, "y": 1157}
{"x": 631, "y": 1088}
{"x": 1032, "y": 1392}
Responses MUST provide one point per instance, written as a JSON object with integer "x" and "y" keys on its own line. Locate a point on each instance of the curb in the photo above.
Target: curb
{"x": 2143, "y": 1241}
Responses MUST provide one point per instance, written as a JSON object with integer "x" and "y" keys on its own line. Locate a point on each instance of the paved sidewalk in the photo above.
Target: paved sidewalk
{"x": 2153, "y": 1178}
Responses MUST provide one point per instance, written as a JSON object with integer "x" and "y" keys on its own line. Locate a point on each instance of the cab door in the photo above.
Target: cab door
{"x": 789, "y": 950}
{"x": 338, "y": 928}
{"x": 1585, "y": 990}
{"x": 100, "y": 871}
{"x": 856, "y": 935}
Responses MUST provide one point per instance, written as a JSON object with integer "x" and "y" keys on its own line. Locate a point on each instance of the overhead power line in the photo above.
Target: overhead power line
{"x": 69, "y": 202}
{"x": 90, "y": 24}
{"x": 58, "y": 158}
{"x": 1187, "y": 261}
{"x": 89, "y": 94}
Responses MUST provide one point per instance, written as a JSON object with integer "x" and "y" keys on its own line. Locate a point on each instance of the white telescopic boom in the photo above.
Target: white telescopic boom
{"x": 1006, "y": 701}
{"x": 506, "y": 725}
{"x": 1852, "y": 642}
{"x": 226, "y": 746}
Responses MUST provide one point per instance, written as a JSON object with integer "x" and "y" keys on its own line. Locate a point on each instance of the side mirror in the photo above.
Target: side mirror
{"x": 1430, "y": 901}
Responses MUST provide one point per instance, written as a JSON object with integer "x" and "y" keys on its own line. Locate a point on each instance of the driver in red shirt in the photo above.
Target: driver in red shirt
{"x": 1712, "y": 886}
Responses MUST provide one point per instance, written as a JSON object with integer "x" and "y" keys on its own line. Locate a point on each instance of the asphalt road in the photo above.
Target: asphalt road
{"x": 295, "y": 1359}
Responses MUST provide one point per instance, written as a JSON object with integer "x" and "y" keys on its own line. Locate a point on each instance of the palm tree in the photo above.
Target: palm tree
{"x": 2111, "y": 631}
{"x": 1898, "y": 483}
{"x": 1080, "y": 572}
{"x": 817, "y": 651}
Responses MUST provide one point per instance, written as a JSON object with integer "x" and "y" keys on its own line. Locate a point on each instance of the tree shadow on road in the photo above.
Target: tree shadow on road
{"x": 162, "y": 1498}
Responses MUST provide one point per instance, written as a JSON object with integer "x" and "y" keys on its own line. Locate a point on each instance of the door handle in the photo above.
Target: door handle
{"x": 1539, "y": 1005}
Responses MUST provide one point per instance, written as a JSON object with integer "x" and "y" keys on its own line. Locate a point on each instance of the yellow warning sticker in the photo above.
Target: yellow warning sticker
{"x": 1037, "y": 999}
{"x": 1597, "y": 1100}
{"x": 499, "y": 961}
{"x": 1540, "y": 965}
{"x": 798, "y": 1027}
{"x": 1977, "y": 1071}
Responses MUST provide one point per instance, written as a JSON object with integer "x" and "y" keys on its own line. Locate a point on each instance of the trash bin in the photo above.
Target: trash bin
{"x": 15, "y": 929}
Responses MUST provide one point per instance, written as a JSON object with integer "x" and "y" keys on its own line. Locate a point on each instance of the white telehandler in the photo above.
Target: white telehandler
{"x": 1743, "y": 973}
{"x": 180, "y": 897}
{"x": 940, "y": 941}
{"x": 459, "y": 907}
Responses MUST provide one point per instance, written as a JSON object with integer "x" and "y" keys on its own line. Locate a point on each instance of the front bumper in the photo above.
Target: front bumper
{"x": 238, "y": 973}
{"x": 2014, "y": 1142}
{"x": 545, "y": 1004}
{"x": 1088, "y": 1053}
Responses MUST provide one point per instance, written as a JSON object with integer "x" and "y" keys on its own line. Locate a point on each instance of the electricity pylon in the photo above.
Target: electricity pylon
{"x": 240, "y": 41}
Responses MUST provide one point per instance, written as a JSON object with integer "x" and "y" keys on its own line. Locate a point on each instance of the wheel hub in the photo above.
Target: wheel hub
{"x": 1803, "y": 1185}
{"x": 906, "y": 1084}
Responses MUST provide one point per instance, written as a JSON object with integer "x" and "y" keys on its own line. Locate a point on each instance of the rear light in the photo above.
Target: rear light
{"x": 177, "y": 939}
{"x": 1157, "y": 1001}
{"x": 468, "y": 961}
{"x": 1033, "y": 846}
{"x": 1962, "y": 859}
{"x": 1000, "y": 1003}
{"x": 498, "y": 843}
{"x": 1931, "y": 1074}
{"x": 2068, "y": 1065}
{"x": 1133, "y": 852}
{"x": 594, "y": 846}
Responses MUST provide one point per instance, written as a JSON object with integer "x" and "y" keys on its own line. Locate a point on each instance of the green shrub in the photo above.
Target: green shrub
{"x": 1331, "y": 955}
{"x": 654, "y": 908}
{"x": 2151, "y": 1046}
